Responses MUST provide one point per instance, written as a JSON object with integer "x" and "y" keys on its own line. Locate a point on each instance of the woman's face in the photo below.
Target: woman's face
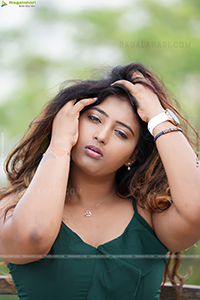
{"x": 108, "y": 135}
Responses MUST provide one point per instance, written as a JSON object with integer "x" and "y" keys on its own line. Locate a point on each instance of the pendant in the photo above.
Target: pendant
{"x": 88, "y": 213}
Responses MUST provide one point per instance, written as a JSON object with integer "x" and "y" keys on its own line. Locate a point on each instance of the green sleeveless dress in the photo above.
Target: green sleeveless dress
{"x": 129, "y": 267}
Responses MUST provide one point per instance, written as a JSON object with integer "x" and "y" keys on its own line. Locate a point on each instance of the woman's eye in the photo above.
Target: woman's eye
{"x": 122, "y": 134}
{"x": 94, "y": 118}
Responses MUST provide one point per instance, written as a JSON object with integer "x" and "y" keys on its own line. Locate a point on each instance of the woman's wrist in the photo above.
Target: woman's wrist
{"x": 155, "y": 113}
{"x": 162, "y": 126}
{"x": 166, "y": 115}
{"x": 58, "y": 150}
{"x": 168, "y": 130}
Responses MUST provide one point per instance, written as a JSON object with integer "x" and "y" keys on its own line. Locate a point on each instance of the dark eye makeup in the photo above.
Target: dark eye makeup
{"x": 122, "y": 134}
{"x": 94, "y": 118}
{"x": 97, "y": 120}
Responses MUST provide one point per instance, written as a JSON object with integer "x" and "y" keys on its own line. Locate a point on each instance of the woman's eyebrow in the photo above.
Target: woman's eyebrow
{"x": 128, "y": 127}
{"x": 118, "y": 122}
{"x": 101, "y": 111}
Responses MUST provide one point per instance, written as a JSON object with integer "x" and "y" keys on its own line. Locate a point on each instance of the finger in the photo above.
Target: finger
{"x": 127, "y": 84}
{"x": 72, "y": 103}
{"x": 84, "y": 102}
{"x": 131, "y": 87}
{"x": 69, "y": 104}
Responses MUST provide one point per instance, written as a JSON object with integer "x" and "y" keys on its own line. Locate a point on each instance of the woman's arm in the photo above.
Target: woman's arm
{"x": 36, "y": 219}
{"x": 177, "y": 227}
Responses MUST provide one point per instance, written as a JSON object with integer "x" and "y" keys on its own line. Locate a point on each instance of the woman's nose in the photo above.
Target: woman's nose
{"x": 102, "y": 135}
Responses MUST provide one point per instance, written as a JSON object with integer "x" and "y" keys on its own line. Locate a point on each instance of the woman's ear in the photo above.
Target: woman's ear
{"x": 132, "y": 159}
{"x": 129, "y": 162}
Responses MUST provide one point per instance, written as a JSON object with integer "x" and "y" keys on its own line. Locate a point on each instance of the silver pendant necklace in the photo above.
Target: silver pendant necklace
{"x": 88, "y": 213}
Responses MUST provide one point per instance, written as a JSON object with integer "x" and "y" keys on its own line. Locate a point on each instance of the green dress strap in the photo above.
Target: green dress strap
{"x": 135, "y": 206}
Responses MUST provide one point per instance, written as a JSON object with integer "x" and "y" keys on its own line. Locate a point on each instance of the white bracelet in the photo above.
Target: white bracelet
{"x": 155, "y": 121}
{"x": 167, "y": 115}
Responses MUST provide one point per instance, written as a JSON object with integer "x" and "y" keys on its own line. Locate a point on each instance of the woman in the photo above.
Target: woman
{"x": 102, "y": 186}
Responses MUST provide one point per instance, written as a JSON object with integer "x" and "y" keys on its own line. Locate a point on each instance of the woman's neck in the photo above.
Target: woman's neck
{"x": 89, "y": 190}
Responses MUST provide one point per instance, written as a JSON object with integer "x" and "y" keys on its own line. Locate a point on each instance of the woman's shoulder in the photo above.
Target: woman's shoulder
{"x": 146, "y": 215}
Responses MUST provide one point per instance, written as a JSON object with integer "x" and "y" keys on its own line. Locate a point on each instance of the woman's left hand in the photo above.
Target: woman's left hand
{"x": 148, "y": 104}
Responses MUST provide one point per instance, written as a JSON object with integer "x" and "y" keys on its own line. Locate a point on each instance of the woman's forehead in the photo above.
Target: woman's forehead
{"x": 116, "y": 107}
{"x": 115, "y": 102}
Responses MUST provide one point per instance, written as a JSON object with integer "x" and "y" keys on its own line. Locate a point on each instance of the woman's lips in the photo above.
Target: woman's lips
{"x": 93, "y": 151}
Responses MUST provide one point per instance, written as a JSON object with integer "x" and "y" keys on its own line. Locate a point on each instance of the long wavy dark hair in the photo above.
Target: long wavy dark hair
{"x": 146, "y": 182}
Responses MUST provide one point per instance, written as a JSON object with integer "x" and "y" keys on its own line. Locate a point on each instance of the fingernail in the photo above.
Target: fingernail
{"x": 113, "y": 83}
{"x": 95, "y": 98}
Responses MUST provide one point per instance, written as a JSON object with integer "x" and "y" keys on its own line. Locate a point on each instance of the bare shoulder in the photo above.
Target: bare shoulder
{"x": 147, "y": 216}
{"x": 173, "y": 231}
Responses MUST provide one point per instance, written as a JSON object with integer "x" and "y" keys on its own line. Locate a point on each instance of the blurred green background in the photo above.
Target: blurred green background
{"x": 45, "y": 45}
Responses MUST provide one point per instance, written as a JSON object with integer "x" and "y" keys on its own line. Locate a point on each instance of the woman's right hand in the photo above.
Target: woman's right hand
{"x": 65, "y": 124}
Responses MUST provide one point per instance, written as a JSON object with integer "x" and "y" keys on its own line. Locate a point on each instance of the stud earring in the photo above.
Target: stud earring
{"x": 129, "y": 164}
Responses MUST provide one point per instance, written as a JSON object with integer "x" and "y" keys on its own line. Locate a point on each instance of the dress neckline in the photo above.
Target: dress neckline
{"x": 136, "y": 215}
{"x": 101, "y": 245}
{"x": 110, "y": 241}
